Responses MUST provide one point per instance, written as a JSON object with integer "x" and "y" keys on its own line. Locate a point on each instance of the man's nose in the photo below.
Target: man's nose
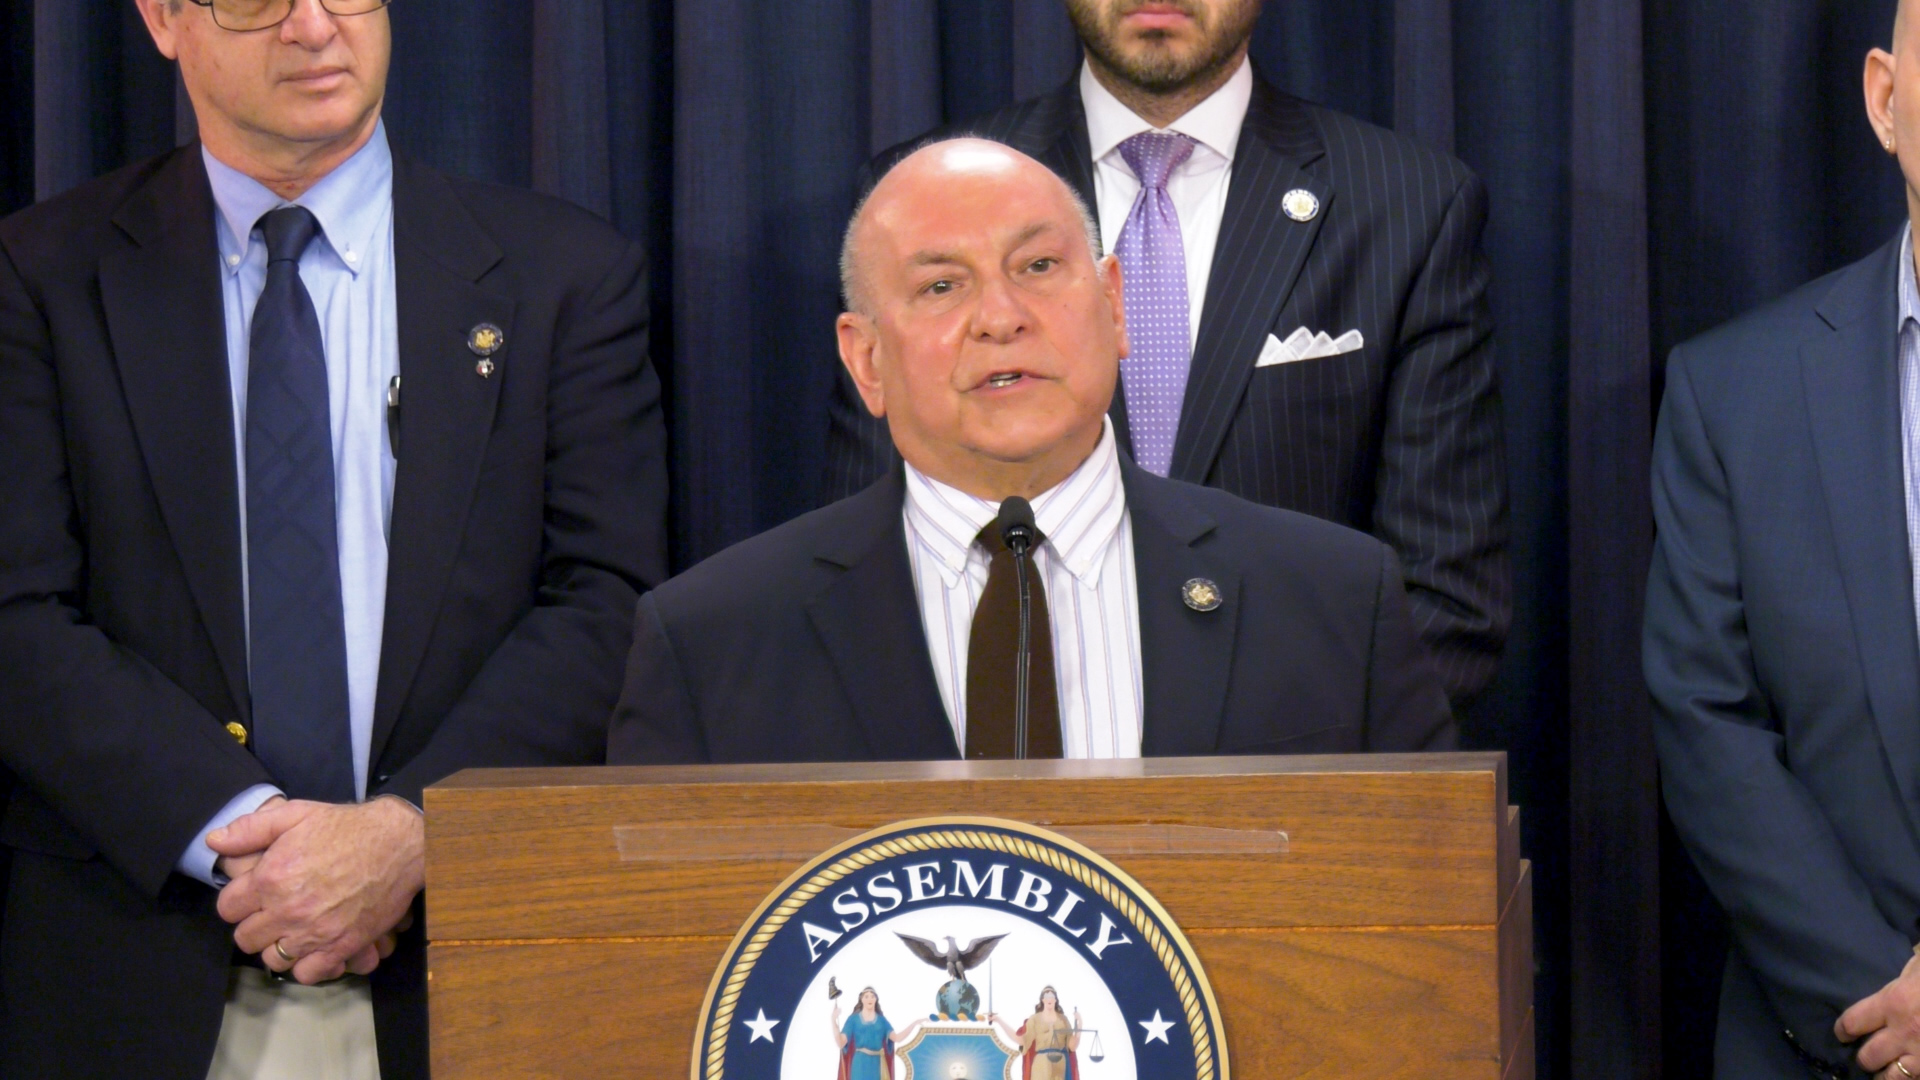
{"x": 1002, "y": 314}
{"x": 310, "y": 24}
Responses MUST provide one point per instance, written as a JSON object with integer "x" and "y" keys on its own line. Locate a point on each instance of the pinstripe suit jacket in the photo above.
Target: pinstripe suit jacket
{"x": 1402, "y": 439}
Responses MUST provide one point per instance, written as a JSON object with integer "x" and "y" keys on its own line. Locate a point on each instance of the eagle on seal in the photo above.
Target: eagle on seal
{"x": 957, "y": 999}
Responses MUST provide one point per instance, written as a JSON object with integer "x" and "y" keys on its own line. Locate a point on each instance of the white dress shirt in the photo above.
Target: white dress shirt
{"x": 348, "y": 271}
{"x": 1198, "y": 187}
{"x": 1086, "y": 563}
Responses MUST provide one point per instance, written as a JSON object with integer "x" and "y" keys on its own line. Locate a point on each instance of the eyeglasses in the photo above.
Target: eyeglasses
{"x": 242, "y": 16}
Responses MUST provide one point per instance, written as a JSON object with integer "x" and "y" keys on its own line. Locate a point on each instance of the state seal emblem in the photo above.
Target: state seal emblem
{"x": 959, "y": 949}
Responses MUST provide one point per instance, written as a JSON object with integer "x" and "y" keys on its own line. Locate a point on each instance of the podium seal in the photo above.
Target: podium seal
{"x": 959, "y": 948}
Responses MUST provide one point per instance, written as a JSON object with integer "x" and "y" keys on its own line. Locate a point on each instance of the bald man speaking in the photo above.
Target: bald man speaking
{"x": 1162, "y": 618}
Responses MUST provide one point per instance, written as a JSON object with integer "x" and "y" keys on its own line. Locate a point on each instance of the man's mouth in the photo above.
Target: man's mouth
{"x": 316, "y": 75}
{"x": 1003, "y": 379}
{"x": 1159, "y": 14}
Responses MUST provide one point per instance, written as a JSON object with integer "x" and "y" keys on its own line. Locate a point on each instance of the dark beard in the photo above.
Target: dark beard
{"x": 1161, "y": 73}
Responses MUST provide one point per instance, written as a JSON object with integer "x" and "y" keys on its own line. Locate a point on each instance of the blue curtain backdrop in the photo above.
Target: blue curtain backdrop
{"x": 1656, "y": 166}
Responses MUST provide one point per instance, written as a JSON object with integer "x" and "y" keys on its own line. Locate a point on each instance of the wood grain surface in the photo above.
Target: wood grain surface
{"x": 1389, "y": 936}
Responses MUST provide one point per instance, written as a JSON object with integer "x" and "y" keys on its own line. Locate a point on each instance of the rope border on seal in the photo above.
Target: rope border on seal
{"x": 1173, "y": 952}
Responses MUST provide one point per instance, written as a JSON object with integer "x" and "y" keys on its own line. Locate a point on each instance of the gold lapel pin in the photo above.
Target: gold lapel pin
{"x": 486, "y": 339}
{"x": 1201, "y": 594}
{"x": 1301, "y": 204}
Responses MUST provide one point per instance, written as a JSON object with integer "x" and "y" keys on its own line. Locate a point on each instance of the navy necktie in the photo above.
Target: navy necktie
{"x": 298, "y": 644}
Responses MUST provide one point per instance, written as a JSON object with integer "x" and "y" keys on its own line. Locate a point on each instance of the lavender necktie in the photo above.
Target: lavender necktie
{"x": 1153, "y": 266}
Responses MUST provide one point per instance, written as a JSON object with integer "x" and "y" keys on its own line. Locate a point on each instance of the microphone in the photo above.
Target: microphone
{"x": 1017, "y": 531}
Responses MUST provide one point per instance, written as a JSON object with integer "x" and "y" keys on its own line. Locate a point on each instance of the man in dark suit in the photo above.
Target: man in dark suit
{"x": 1168, "y": 619}
{"x": 1781, "y": 649}
{"x": 1292, "y": 222}
{"x": 326, "y": 475}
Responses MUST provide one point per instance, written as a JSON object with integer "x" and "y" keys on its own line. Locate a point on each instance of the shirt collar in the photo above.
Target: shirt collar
{"x": 1078, "y": 516}
{"x": 1909, "y": 292}
{"x": 1214, "y": 123}
{"x": 350, "y": 203}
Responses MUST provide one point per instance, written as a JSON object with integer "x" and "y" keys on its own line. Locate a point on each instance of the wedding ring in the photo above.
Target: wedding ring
{"x": 1898, "y": 1064}
{"x": 295, "y": 960}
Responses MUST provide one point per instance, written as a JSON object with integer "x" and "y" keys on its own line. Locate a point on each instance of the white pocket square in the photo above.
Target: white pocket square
{"x": 1304, "y": 344}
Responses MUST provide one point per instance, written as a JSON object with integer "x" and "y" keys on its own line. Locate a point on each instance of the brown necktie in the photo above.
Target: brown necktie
{"x": 992, "y": 652}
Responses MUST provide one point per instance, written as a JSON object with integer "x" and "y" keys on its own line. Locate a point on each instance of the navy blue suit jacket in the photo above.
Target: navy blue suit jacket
{"x": 528, "y": 510}
{"x": 806, "y": 643}
{"x": 1780, "y": 650}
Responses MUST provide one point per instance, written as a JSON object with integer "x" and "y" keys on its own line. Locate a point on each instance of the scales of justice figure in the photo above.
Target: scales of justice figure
{"x": 1049, "y": 1042}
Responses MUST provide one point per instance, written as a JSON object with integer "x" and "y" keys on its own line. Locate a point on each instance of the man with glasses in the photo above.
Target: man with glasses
{"x": 327, "y": 475}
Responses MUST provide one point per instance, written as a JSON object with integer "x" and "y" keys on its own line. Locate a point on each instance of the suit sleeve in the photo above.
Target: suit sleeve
{"x": 1407, "y": 710}
{"x": 1442, "y": 497}
{"x": 655, "y": 722}
{"x": 122, "y": 753}
{"x": 544, "y": 695}
{"x": 1799, "y": 912}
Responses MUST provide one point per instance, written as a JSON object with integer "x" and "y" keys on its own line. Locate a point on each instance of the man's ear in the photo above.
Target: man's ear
{"x": 1878, "y": 83}
{"x": 1110, "y": 283}
{"x": 162, "y": 22}
{"x": 859, "y": 340}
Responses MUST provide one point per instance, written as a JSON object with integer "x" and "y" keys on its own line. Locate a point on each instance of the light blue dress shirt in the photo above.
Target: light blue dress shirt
{"x": 349, "y": 272}
{"x": 1910, "y": 398}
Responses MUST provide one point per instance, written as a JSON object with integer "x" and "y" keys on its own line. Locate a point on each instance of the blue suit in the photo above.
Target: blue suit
{"x": 1782, "y": 658}
{"x": 805, "y": 643}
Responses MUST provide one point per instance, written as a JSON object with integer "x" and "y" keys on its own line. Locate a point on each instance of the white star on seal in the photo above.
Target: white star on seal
{"x": 1156, "y": 1028}
{"x": 763, "y": 1027}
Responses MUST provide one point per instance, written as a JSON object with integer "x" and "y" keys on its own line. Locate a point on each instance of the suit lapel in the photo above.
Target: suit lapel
{"x": 1187, "y": 655}
{"x": 165, "y": 315}
{"x": 1852, "y": 385}
{"x": 869, "y": 622}
{"x": 1059, "y": 133}
{"x": 446, "y": 413}
{"x": 1257, "y": 260}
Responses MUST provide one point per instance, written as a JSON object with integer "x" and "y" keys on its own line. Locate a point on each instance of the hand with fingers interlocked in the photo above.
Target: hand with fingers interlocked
{"x": 320, "y": 890}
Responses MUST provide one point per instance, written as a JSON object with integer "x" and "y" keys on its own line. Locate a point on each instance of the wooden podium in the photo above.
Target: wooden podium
{"x": 1356, "y": 916}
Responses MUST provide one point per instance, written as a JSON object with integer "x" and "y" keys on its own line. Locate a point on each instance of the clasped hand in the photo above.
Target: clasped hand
{"x": 331, "y": 885}
{"x": 1889, "y": 1020}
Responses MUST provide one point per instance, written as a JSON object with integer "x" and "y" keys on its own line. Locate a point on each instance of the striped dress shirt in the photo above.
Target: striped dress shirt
{"x": 1086, "y": 563}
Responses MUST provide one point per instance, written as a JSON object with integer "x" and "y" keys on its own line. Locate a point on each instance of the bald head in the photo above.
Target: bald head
{"x": 985, "y": 327}
{"x": 931, "y": 169}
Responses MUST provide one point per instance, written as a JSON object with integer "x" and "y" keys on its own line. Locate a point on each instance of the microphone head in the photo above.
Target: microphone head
{"x": 1017, "y": 529}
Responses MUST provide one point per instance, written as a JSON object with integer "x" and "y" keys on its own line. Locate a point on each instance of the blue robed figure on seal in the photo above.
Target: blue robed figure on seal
{"x": 867, "y": 1040}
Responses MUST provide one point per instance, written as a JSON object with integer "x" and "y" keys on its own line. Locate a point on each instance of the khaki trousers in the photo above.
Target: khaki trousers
{"x": 285, "y": 1031}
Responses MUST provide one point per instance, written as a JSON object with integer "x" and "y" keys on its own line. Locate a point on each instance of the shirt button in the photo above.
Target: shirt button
{"x": 233, "y": 260}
